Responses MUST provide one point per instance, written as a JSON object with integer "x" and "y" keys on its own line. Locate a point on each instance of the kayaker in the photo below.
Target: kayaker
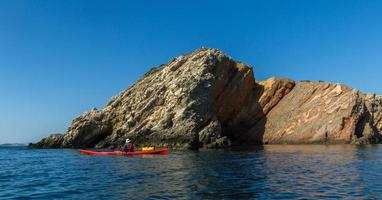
{"x": 129, "y": 146}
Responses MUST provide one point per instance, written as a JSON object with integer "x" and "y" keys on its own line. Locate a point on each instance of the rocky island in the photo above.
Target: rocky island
{"x": 207, "y": 99}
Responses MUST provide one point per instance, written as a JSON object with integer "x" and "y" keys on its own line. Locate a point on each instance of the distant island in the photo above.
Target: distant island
{"x": 12, "y": 145}
{"x": 206, "y": 99}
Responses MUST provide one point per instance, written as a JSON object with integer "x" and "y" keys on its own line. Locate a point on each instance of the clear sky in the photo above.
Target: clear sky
{"x": 59, "y": 59}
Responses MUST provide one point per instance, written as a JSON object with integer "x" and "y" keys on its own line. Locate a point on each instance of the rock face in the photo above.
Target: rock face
{"x": 207, "y": 99}
{"x": 315, "y": 112}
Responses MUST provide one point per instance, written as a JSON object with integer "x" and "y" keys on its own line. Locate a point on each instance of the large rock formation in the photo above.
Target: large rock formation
{"x": 193, "y": 100}
{"x": 207, "y": 99}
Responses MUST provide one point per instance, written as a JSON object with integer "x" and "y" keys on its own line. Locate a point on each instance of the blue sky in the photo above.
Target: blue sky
{"x": 59, "y": 59}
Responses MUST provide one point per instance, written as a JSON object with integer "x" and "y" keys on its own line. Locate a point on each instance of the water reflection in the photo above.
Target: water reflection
{"x": 316, "y": 171}
{"x": 271, "y": 171}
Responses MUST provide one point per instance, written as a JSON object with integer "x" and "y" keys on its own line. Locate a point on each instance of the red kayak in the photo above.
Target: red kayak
{"x": 161, "y": 152}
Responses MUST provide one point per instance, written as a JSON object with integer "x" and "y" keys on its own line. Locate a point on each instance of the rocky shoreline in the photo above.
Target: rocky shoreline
{"x": 206, "y": 99}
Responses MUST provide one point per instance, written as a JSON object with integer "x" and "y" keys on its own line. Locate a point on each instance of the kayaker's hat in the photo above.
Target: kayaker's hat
{"x": 128, "y": 140}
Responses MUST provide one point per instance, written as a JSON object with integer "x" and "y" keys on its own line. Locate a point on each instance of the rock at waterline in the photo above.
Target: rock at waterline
{"x": 207, "y": 99}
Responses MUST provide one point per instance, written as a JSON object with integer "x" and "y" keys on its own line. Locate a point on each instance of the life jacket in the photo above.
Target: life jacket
{"x": 130, "y": 147}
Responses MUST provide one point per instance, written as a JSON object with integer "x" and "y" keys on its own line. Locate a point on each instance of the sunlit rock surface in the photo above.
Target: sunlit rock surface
{"x": 207, "y": 99}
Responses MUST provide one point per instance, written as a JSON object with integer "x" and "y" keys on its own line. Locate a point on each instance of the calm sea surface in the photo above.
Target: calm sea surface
{"x": 276, "y": 172}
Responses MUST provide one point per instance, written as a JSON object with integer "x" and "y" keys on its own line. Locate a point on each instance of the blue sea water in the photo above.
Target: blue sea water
{"x": 264, "y": 172}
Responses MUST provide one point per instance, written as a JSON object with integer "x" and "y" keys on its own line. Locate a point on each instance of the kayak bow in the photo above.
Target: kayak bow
{"x": 104, "y": 153}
